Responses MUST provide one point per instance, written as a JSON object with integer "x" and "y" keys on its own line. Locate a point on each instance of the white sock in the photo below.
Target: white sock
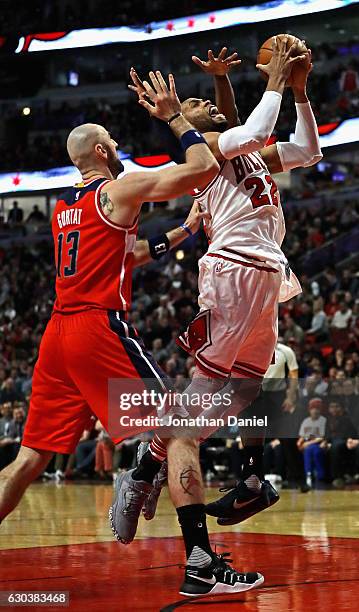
{"x": 199, "y": 558}
{"x": 253, "y": 483}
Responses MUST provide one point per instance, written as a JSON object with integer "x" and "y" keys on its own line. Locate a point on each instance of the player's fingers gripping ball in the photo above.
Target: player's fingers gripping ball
{"x": 266, "y": 51}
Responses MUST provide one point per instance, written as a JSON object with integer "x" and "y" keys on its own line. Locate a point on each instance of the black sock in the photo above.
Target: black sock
{"x": 194, "y": 528}
{"x": 253, "y": 461}
{"x": 147, "y": 469}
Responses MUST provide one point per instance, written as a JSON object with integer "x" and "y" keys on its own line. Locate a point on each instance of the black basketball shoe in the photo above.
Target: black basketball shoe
{"x": 218, "y": 578}
{"x": 240, "y": 503}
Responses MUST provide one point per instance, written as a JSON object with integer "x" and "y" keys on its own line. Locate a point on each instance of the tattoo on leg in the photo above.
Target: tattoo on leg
{"x": 189, "y": 479}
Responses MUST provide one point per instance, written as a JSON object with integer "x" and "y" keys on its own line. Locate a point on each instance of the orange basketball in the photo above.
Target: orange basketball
{"x": 265, "y": 53}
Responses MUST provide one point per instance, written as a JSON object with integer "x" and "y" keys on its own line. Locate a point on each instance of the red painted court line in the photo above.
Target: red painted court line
{"x": 300, "y": 574}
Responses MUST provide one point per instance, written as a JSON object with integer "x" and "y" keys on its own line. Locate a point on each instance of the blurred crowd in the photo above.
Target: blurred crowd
{"x": 334, "y": 96}
{"x": 321, "y": 326}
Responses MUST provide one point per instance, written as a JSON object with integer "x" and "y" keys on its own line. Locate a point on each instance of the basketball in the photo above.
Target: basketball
{"x": 265, "y": 54}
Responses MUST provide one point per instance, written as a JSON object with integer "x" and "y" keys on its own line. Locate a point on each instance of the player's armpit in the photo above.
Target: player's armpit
{"x": 271, "y": 158}
{"x": 212, "y": 141}
{"x": 141, "y": 253}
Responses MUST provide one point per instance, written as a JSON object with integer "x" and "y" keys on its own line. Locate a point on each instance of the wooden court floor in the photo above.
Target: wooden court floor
{"x": 307, "y": 547}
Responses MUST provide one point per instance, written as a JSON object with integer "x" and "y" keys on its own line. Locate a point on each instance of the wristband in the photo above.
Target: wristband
{"x": 187, "y": 229}
{"x": 159, "y": 246}
{"x": 190, "y": 138}
{"x": 175, "y": 116}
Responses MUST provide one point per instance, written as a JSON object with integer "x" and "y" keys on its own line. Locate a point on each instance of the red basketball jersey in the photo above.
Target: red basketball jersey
{"x": 94, "y": 256}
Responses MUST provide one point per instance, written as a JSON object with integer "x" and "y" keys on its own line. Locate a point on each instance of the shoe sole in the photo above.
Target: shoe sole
{"x": 255, "y": 508}
{"x": 114, "y": 531}
{"x": 226, "y": 589}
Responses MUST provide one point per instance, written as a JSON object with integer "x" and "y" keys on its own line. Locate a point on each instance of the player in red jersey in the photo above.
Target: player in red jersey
{"x": 89, "y": 339}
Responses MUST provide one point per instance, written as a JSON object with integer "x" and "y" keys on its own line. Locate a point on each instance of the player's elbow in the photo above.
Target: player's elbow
{"x": 313, "y": 159}
{"x": 260, "y": 139}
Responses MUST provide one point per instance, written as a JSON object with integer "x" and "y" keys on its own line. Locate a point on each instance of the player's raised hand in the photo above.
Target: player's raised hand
{"x": 219, "y": 65}
{"x": 137, "y": 86}
{"x": 160, "y": 101}
{"x": 283, "y": 59}
{"x": 195, "y": 217}
{"x": 301, "y": 71}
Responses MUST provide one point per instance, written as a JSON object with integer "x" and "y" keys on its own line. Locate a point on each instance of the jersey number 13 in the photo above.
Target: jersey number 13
{"x": 70, "y": 247}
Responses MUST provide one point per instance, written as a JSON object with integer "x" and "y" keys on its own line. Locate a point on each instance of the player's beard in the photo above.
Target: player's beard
{"x": 205, "y": 123}
{"x": 114, "y": 163}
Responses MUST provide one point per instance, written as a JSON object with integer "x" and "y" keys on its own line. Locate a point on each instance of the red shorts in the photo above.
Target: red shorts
{"x": 78, "y": 355}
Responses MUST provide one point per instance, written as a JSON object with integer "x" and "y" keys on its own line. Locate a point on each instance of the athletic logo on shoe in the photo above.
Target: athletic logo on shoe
{"x": 208, "y": 580}
{"x": 238, "y": 505}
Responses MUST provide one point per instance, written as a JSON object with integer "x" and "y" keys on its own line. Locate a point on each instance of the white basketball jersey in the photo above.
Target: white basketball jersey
{"x": 247, "y": 222}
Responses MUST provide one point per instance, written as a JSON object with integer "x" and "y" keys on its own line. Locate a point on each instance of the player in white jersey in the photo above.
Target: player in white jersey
{"x": 244, "y": 274}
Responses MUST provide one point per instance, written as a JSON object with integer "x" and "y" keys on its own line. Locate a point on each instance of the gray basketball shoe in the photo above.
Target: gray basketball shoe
{"x": 130, "y": 495}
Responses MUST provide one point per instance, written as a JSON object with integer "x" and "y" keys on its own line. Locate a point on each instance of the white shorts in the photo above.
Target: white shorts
{"x": 236, "y": 330}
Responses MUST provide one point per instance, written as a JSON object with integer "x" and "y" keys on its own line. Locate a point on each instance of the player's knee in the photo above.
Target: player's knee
{"x": 178, "y": 444}
{"x": 31, "y": 462}
{"x": 190, "y": 443}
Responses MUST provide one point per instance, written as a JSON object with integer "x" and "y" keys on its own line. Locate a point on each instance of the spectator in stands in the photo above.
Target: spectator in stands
{"x": 339, "y": 359}
{"x": 353, "y": 446}
{"x": 6, "y": 453}
{"x": 349, "y": 79}
{"x": 8, "y": 392}
{"x": 319, "y": 323}
{"x": 16, "y": 214}
{"x": 314, "y": 386}
{"x": 26, "y": 381}
{"x": 347, "y": 280}
{"x": 342, "y": 316}
{"x": 85, "y": 453}
{"x": 339, "y": 428}
{"x": 5, "y": 419}
{"x": 104, "y": 454}
{"x": 36, "y": 215}
{"x": 15, "y": 430}
{"x": 292, "y": 330}
{"x": 310, "y": 442}
{"x": 350, "y": 368}
{"x": 304, "y": 315}
{"x": 158, "y": 352}
{"x": 349, "y": 398}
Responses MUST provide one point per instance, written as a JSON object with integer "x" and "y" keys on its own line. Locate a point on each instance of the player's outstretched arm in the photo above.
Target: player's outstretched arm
{"x": 200, "y": 165}
{"x": 253, "y": 135}
{"x": 304, "y": 150}
{"x": 219, "y": 67}
{"x": 157, "y": 246}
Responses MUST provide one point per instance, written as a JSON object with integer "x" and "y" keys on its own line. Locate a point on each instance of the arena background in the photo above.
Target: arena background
{"x": 51, "y": 83}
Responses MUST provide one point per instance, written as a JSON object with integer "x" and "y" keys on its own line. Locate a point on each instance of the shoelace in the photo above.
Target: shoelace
{"x": 225, "y": 489}
{"x": 224, "y": 559}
